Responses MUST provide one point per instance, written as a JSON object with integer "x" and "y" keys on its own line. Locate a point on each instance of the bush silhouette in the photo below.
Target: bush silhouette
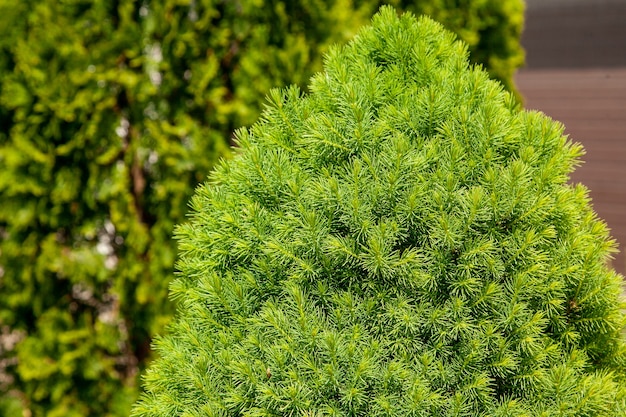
{"x": 402, "y": 241}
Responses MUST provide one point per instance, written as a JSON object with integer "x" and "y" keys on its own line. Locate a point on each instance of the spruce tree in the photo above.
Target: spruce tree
{"x": 400, "y": 241}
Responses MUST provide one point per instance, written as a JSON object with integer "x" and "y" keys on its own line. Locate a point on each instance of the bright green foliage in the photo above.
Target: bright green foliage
{"x": 491, "y": 28}
{"x": 401, "y": 241}
{"x": 111, "y": 113}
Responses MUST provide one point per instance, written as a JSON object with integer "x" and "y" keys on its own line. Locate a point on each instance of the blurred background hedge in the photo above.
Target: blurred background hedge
{"x": 111, "y": 113}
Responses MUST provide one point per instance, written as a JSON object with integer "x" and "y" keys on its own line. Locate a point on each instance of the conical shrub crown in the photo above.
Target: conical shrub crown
{"x": 399, "y": 241}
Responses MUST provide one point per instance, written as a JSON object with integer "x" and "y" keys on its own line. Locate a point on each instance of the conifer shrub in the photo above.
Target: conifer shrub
{"x": 400, "y": 241}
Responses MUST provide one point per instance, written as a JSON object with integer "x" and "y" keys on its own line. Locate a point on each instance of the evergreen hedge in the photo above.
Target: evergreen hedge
{"x": 401, "y": 241}
{"x": 111, "y": 113}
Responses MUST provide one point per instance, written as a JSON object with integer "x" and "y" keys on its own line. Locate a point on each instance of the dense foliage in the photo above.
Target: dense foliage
{"x": 401, "y": 241}
{"x": 111, "y": 113}
{"x": 491, "y": 28}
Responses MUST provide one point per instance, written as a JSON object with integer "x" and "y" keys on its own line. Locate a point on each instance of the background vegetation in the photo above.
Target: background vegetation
{"x": 111, "y": 113}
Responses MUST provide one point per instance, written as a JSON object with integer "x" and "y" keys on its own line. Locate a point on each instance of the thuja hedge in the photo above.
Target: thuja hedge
{"x": 400, "y": 241}
{"x": 111, "y": 113}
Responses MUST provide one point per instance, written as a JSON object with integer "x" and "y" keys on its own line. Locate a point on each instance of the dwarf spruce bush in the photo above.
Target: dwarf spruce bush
{"x": 401, "y": 241}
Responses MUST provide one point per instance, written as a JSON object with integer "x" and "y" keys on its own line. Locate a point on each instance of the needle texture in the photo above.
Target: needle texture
{"x": 400, "y": 241}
